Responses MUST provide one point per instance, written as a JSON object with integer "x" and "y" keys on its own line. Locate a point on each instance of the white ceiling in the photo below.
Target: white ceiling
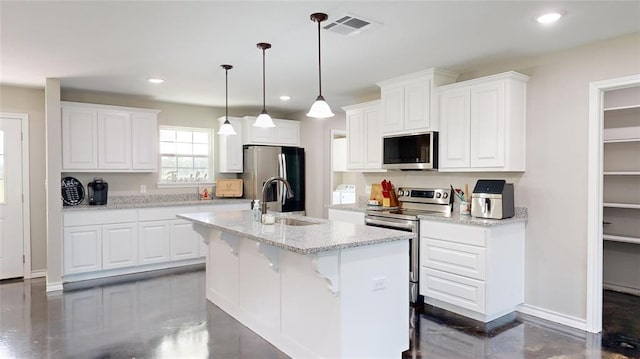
{"x": 115, "y": 46}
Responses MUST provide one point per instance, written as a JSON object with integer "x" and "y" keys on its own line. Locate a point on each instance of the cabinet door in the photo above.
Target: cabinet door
{"x": 355, "y": 139}
{"x": 144, "y": 141}
{"x": 119, "y": 245}
{"x": 346, "y": 216}
{"x": 153, "y": 242}
{"x": 82, "y": 249}
{"x": 230, "y": 149}
{"x": 114, "y": 140}
{"x": 454, "y": 128}
{"x": 258, "y": 135}
{"x": 392, "y": 109}
{"x": 487, "y": 125}
{"x": 417, "y": 97}
{"x": 79, "y": 138}
{"x": 184, "y": 240}
{"x": 373, "y": 143}
{"x": 287, "y": 132}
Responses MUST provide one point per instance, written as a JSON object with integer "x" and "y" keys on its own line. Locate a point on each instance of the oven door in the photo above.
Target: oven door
{"x": 406, "y": 225}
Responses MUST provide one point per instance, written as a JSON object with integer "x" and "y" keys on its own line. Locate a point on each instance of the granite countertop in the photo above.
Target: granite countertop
{"x": 152, "y": 201}
{"x": 322, "y": 236}
{"x": 521, "y": 215}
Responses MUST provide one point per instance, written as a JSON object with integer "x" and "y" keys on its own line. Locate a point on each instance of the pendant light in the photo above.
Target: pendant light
{"x": 263, "y": 120}
{"x": 226, "y": 129}
{"x": 320, "y": 108}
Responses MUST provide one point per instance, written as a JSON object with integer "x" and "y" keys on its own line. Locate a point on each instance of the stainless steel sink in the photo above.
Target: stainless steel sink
{"x": 294, "y": 222}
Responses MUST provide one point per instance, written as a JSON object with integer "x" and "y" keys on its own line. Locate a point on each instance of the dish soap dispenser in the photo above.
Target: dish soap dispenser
{"x": 257, "y": 214}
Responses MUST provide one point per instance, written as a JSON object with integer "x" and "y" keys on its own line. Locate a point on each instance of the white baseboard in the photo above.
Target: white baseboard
{"x": 556, "y": 317}
{"x": 54, "y": 287}
{"x": 621, "y": 288}
{"x": 39, "y": 273}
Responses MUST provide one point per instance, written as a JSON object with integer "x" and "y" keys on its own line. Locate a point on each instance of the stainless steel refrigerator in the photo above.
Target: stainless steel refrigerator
{"x": 263, "y": 162}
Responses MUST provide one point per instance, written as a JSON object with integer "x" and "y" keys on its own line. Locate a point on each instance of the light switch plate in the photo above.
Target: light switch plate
{"x": 367, "y": 189}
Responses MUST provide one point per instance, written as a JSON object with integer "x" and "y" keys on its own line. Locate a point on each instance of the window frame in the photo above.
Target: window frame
{"x": 210, "y": 181}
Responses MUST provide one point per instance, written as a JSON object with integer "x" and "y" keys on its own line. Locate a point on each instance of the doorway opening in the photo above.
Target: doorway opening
{"x": 343, "y": 188}
{"x": 604, "y": 186}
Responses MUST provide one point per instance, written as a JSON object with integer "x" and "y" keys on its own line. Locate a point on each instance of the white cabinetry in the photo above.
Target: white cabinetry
{"x": 474, "y": 271}
{"x": 408, "y": 103}
{"x": 108, "y": 138}
{"x": 185, "y": 242}
{"x": 119, "y": 245}
{"x": 482, "y": 124}
{"x": 340, "y": 215}
{"x": 94, "y": 241}
{"x": 155, "y": 239}
{"x": 364, "y": 142}
{"x": 230, "y": 148}
{"x": 286, "y": 133}
{"x": 82, "y": 249}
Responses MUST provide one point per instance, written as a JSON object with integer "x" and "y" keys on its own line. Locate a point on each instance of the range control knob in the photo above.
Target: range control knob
{"x": 438, "y": 195}
{"x": 400, "y": 193}
{"x": 445, "y": 195}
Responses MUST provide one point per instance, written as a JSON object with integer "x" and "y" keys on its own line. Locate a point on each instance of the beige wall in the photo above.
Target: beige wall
{"x": 31, "y": 102}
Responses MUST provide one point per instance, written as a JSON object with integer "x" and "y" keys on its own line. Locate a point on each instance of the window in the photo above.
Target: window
{"x": 185, "y": 155}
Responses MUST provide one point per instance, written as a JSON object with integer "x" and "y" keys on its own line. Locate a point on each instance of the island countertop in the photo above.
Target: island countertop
{"x": 322, "y": 236}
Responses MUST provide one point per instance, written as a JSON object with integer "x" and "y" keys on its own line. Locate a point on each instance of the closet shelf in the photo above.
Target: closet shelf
{"x": 625, "y": 239}
{"x": 621, "y": 108}
{"x": 621, "y": 205}
{"x": 622, "y": 140}
{"x": 621, "y": 173}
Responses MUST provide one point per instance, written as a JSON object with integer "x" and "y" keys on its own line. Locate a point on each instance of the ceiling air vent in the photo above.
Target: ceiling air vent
{"x": 350, "y": 25}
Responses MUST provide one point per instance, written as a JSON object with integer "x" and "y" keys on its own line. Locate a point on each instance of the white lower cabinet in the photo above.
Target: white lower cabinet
{"x": 155, "y": 237}
{"x": 185, "y": 242}
{"x": 340, "y": 215}
{"x": 471, "y": 270}
{"x": 119, "y": 245}
{"x": 103, "y": 243}
{"x": 82, "y": 249}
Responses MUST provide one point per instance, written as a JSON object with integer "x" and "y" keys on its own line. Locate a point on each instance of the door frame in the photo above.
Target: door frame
{"x": 26, "y": 209}
{"x": 594, "y": 195}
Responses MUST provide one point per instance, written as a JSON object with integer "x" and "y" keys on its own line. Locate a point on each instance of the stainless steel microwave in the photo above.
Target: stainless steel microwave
{"x": 416, "y": 151}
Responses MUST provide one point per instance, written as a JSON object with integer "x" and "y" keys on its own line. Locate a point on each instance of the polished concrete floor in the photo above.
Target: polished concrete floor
{"x": 168, "y": 317}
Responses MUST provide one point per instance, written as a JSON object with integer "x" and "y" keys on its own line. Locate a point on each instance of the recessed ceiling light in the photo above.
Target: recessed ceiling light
{"x": 549, "y": 18}
{"x": 154, "y": 80}
{"x": 285, "y": 98}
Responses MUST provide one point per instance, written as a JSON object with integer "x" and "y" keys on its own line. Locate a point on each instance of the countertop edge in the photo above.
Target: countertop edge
{"x": 117, "y": 206}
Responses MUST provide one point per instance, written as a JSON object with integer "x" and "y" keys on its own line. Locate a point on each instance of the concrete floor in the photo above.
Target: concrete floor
{"x": 168, "y": 317}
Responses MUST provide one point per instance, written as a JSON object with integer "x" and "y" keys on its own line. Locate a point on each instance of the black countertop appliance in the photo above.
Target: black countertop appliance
{"x": 492, "y": 199}
{"x": 98, "y": 190}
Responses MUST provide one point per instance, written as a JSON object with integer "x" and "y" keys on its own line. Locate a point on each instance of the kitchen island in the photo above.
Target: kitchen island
{"x": 311, "y": 287}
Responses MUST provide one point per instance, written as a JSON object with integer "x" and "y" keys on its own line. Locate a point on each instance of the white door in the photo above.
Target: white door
{"x": 393, "y": 109}
{"x": 417, "y": 105}
{"x": 79, "y": 138}
{"x": 487, "y": 125}
{"x": 355, "y": 139}
{"x": 454, "y": 128}
{"x": 144, "y": 135}
{"x": 373, "y": 142}
{"x": 119, "y": 245}
{"x": 185, "y": 242}
{"x": 11, "y": 225}
{"x": 114, "y": 140}
{"x": 82, "y": 249}
{"x": 153, "y": 242}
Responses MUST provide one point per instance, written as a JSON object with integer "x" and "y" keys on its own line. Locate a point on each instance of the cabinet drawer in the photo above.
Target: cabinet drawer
{"x": 456, "y": 258}
{"x": 453, "y": 289}
{"x": 99, "y": 217}
{"x": 460, "y": 233}
{"x": 164, "y": 213}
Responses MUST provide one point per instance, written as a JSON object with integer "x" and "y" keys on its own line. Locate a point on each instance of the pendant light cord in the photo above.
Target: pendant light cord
{"x": 264, "y": 107}
{"x": 226, "y": 95}
{"x": 319, "y": 63}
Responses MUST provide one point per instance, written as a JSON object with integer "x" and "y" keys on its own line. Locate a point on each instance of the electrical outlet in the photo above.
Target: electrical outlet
{"x": 378, "y": 283}
{"x": 367, "y": 189}
{"x": 143, "y": 188}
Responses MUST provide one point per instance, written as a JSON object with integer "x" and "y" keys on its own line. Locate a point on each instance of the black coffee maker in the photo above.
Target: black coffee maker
{"x": 98, "y": 191}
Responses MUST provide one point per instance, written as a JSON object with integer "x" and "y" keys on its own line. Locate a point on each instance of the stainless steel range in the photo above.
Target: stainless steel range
{"x": 412, "y": 203}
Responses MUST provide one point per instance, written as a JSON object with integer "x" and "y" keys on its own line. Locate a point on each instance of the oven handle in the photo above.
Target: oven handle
{"x": 391, "y": 223}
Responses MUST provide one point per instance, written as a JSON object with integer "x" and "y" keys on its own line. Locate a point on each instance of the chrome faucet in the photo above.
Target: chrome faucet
{"x": 263, "y": 206}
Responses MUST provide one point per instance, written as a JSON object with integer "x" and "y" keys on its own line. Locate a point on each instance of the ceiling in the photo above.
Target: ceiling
{"x": 115, "y": 46}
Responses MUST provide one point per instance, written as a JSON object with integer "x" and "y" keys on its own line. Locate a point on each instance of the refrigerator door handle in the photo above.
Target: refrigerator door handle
{"x": 284, "y": 175}
{"x": 281, "y": 174}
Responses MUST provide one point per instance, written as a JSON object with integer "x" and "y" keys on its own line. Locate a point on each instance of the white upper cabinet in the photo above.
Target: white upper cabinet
{"x": 108, "y": 138}
{"x": 230, "y": 148}
{"x": 364, "y": 141}
{"x": 482, "y": 124}
{"x": 144, "y": 144}
{"x": 79, "y": 138}
{"x": 286, "y": 133}
{"x": 408, "y": 103}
